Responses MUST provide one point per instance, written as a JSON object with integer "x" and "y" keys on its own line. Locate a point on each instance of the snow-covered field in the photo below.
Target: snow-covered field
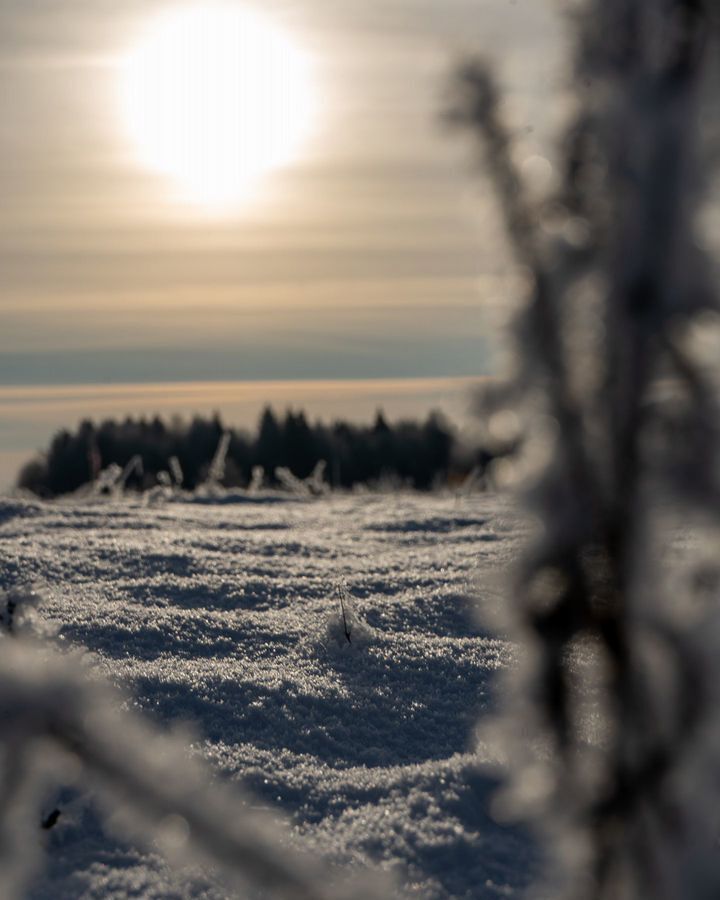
{"x": 224, "y": 614}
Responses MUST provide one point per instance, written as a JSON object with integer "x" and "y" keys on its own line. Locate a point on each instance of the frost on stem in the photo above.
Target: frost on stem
{"x": 312, "y": 486}
{"x": 176, "y": 471}
{"x": 216, "y": 472}
{"x": 108, "y": 480}
{"x": 18, "y": 608}
{"x": 317, "y": 485}
{"x": 257, "y": 480}
{"x": 617, "y": 685}
{"x": 346, "y": 631}
{"x": 291, "y": 482}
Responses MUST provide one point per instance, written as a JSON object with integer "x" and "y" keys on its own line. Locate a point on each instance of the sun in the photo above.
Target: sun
{"x": 215, "y": 96}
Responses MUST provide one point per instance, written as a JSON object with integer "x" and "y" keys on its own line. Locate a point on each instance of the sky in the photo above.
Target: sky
{"x": 375, "y": 253}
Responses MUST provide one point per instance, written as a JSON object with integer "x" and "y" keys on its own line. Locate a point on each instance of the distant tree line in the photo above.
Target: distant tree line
{"x": 417, "y": 454}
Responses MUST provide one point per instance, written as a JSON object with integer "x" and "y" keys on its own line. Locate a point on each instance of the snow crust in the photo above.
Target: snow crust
{"x": 222, "y": 616}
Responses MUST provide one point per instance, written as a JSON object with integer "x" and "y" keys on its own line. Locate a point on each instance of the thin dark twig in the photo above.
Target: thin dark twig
{"x": 11, "y": 607}
{"x": 342, "y": 590}
{"x": 50, "y": 820}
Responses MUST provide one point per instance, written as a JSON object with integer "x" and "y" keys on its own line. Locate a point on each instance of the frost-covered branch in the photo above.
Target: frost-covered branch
{"x": 616, "y": 690}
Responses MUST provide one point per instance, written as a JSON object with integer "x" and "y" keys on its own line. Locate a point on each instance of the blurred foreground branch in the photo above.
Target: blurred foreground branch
{"x": 619, "y": 396}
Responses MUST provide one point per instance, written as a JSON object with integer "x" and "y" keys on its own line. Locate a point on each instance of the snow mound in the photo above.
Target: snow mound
{"x": 345, "y": 630}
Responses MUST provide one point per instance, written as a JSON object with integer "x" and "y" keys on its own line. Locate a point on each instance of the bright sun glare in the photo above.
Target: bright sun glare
{"x": 215, "y": 96}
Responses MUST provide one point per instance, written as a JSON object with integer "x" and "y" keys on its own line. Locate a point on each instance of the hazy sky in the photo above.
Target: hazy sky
{"x": 374, "y": 253}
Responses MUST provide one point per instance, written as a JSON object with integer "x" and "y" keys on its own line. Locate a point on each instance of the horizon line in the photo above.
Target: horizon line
{"x": 10, "y": 392}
